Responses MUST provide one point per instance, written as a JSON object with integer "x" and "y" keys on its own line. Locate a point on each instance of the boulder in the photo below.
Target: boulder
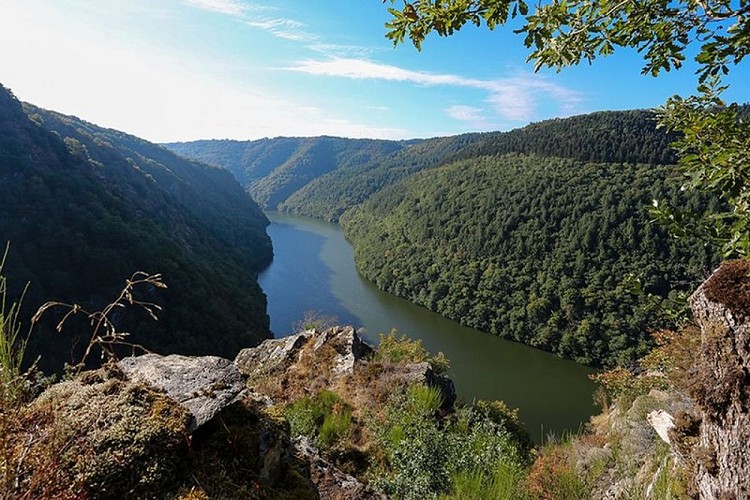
{"x": 330, "y": 482}
{"x": 203, "y": 385}
{"x": 422, "y": 373}
{"x": 97, "y": 435}
{"x": 271, "y": 354}
{"x": 276, "y": 354}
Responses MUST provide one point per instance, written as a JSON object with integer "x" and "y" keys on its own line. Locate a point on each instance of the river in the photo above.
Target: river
{"x": 313, "y": 270}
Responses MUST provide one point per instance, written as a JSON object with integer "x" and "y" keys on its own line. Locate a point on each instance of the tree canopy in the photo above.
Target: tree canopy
{"x": 713, "y": 148}
{"x": 533, "y": 249}
{"x": 565, "y": 32}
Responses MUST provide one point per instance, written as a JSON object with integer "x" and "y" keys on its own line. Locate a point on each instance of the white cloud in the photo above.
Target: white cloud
{"x": 464, "y": 113}
{"x": 361, "y": 69}
{"x": 514, "y": 98}
{"x": 288, "y": 29}
{"x": 229, "y": 7}
{"x": 338, "y": 50}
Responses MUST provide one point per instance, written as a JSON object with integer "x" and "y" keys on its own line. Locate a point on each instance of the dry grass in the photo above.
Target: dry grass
{"x": 104, "y": 333}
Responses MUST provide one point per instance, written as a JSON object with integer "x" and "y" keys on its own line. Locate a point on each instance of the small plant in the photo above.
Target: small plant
{"x": 503, "y": 483}
{"x": 12, "y": 346}
{"x": 104, "y": 333}
{"x": 395, "y": 349}
{"x": 424, "y": 399}
{"x": 314, "y": 320}
{"x": 554, "y": 476}
{"x": 326, "y": 418}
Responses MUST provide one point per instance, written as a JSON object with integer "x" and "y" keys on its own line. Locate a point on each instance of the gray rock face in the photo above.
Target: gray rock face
{"x": 330, "y": 482}
{"x": 271, "y": 354}
{"x": 203, "y": 385}
{"x": 274, "y": 354}
{"x": 720, "y": 382}
{"x": 347, "y": 344}
{"x": 422, "y": 373}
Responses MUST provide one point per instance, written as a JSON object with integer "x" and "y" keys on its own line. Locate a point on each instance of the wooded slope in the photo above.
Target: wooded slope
{"x": 85, "y": 207}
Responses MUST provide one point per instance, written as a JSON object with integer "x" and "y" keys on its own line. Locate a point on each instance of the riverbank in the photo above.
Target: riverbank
{"x": 313, "y": 269}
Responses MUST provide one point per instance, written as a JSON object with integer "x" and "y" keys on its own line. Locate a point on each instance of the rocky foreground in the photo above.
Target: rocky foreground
{"x": 194, "y": 427}
{"x": 321, "y": 414}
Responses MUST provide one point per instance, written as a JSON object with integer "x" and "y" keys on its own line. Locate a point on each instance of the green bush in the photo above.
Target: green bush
{"x": 326, "y": 418}
{"x": 428, "y": 456}
{"x": 394, "y": 349}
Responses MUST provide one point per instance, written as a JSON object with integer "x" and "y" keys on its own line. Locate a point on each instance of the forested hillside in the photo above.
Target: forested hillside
{"x": 323, "y": 177}
{"x": 530, "y": 248}
{"x": 85, "y": 207}
{"x": 606, "y": 136}
{"x": 273, "y": 169}
{"x": 528, "y": 234}
{"x": 330, "y": 195}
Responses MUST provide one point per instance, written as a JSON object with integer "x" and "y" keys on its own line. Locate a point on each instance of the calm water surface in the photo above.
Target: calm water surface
{"x": 313, "y": 270}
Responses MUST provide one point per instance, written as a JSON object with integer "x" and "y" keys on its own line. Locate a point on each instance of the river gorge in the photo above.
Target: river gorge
{"x": 313, "y": 271}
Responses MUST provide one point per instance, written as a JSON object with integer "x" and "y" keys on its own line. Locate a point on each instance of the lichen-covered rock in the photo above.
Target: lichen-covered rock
{"x": 103, "y": 435}
{"x": 331, "y": 483}
{"x": 203, "y": 385}
{"x": 720, "y": 382}
{"x": 275, "y": 354}
{"x": 100, "y": 436}
{"x": 422, "y": 373}
{"x": 271, "y": 354}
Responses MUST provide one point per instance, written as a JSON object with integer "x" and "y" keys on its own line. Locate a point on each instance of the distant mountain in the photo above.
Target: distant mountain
{"x": 331, "y": 194}
{"x": 324, "y": 176}
{"x": 84, "y": 207}
{"x": 604, "y": 137}
{"x": 527, "y": 234}
{"x": 273, "y": 169}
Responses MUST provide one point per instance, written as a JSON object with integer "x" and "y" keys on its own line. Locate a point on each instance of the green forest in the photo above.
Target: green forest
{"x": 273, "y": 169}
{"x": 534, "y": 234}
{"x": 85, "y": 207}
{"x": 532, "y": 249}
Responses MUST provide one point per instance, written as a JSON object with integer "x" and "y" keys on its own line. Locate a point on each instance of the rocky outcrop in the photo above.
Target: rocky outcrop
{"x": 271, "y": 354}
{"x": 720, "y": 383}
{"x": 662, "y": 422}
{"x": 348, "y": 345}
{"x": 203, "y": 385}
{"x": 274, "y": 354}
{"x": 423, "y": 373}
{"x": 331, "y": 483}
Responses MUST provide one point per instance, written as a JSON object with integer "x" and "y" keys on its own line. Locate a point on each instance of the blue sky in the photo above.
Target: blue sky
{"x": 169, "y": 70}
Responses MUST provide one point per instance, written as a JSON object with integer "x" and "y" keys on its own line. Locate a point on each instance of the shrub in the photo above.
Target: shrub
{"x": 428, "y": 456}
{"x": 393, "y": 349}
{"x": 12, "y": 347}
{"x": 326, "y": 418}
